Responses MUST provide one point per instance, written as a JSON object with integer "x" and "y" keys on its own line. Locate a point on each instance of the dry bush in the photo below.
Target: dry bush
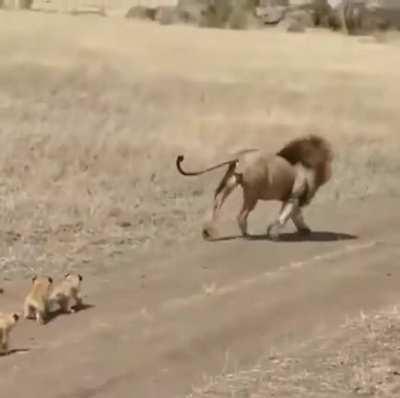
{"x": 238, "y": 19}
{"x": 297, "y": 21}
{"x": 26, "y": 4}
{"x": 362, "y": 20}
{"x": 241, "y": 19}
{"x": 303, "y": 17}
{"x": 167, "y": 15}
{"x": 294, "y": 26}
{"x": 234, "y": 14}
{"x": 321, "y": 12}
{"x": 192, "y": 11}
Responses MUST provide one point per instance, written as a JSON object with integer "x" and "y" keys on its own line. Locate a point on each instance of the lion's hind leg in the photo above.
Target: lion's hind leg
{"x": 249, "y": 203}
{"x": 225, "y": 188}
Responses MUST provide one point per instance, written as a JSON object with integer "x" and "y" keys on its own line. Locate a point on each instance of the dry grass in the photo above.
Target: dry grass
{"x": 94, "y": 111}
{"x": 359, "y": 360}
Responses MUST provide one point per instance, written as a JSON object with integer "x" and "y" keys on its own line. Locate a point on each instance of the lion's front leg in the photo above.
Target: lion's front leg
{"x": 287, "y": 210}
{"x": 298, "y": 221}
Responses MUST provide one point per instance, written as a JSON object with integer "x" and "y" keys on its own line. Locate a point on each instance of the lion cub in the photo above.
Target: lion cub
{"x": 37, "y": 301}
{"x": 7, "y": 322}
{"x": 67, "y": 291}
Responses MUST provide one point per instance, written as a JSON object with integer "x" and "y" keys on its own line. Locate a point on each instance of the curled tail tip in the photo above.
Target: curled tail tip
{"x": 179, "y": 160}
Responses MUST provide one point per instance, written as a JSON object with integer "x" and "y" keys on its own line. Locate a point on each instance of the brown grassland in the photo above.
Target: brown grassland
{"x": 94, "y": 111}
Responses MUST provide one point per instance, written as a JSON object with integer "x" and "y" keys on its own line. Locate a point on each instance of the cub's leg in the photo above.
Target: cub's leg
{"x": 28, "y": 311}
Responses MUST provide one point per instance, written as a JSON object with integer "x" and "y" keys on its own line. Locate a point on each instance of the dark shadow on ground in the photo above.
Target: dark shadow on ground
{"x": 15, "y": 351}
{"x": 314, "y": 236}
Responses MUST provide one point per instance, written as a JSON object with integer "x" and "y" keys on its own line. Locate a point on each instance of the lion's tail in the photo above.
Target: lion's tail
{"x": 312, "y": 151}
{"x": 180, "y": 158}
{"x": 231, "y": 163}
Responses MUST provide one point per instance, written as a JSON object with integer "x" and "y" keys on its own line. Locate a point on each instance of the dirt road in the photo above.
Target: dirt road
{"x": 155, "y": 328}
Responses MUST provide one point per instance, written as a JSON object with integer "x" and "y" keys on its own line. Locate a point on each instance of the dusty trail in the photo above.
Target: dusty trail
{"x": 163, "y": 324}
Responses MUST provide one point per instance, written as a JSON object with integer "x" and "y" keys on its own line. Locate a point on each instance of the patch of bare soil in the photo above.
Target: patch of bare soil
{"x": 361, "y": 359}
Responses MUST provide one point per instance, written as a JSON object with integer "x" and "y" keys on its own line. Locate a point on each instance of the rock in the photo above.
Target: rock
{"x": 236, "y": 14}
{"x": 141, "y": 12}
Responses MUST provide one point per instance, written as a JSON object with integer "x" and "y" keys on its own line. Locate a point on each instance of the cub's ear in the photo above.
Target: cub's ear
{"x": 50, "y": 279}
{"x": 34, "y": 278}
{"x": 80, "y": 277}
{"x": 66, "y": 275}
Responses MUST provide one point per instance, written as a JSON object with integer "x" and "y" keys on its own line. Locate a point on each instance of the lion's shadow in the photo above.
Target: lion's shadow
{"x": 314, "y": 236}
{"x": 14, "y": 351}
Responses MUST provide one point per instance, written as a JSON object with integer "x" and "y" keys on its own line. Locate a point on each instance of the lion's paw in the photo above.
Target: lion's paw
{"x": 209, "y": 232}
{"x": 273, "y": 231}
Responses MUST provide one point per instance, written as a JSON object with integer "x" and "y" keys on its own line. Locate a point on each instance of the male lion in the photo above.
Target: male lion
{"x": 292, "y": 176}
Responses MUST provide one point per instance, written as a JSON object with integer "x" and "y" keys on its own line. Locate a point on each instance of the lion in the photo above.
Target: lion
{"x": 292, "y": 176}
